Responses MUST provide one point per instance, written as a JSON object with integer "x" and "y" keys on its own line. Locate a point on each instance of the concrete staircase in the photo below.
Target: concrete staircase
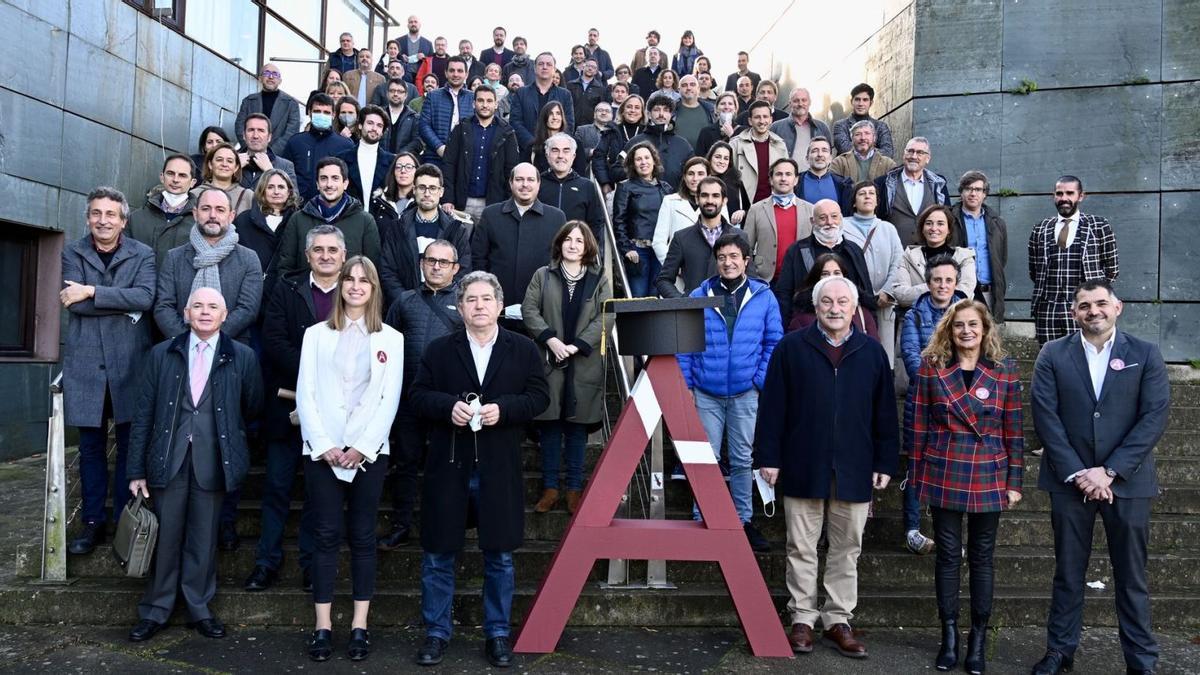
{"x": 896, "y": 587}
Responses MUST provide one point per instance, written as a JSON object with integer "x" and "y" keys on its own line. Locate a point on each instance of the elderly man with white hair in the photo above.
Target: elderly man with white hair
{"x": 827, "y": 435}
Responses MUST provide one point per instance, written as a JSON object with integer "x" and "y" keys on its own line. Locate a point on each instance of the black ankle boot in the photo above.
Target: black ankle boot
{"x": 976, "y": 659}
{"x": 947, "y": 656}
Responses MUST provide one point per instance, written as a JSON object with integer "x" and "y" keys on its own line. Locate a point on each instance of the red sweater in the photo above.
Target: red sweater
{"x": 785, "y": 223}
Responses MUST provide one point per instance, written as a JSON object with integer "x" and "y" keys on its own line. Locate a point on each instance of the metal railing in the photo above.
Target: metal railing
{"x": 648, "y": 480}
{"x": 54, "y": 525}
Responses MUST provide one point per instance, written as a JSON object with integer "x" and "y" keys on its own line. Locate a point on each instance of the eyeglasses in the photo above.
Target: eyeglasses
{"x": 427, "y": 188}
{"x": 975, "y": 189}
{"x": 438, "y": 262}
{"x": 406, "y": 167}
{"x": 911, "y": 151}
{"x": 271, "y": 74}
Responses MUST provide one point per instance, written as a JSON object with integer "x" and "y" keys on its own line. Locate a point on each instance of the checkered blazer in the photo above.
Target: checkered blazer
{"x": 1098, "y": 258}
{"x": 967, "y": 446}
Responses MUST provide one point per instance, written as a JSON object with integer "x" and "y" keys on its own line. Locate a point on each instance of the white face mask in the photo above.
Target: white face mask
{"x": 173, "y": 200}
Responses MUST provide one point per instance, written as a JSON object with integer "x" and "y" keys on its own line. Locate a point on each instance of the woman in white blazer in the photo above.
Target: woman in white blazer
{"x": 351, "y": 369}
{"x": 935, "y": 232}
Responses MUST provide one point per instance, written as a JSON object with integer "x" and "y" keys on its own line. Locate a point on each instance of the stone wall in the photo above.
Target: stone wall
{"x": 101, "y": 91}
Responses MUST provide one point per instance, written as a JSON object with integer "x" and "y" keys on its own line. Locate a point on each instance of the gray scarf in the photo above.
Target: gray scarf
{"x": 208, "y": 256}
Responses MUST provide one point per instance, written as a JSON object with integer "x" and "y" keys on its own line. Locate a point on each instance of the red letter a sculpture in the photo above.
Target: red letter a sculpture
{"x": 660, "y": 392}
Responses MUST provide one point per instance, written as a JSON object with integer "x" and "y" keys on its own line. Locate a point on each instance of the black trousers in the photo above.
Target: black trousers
{"x": 336, "y": 505}
{"x": 407, "y": 454}
{"x": 981, "y": 545}
{"x": 1127, "y": 528}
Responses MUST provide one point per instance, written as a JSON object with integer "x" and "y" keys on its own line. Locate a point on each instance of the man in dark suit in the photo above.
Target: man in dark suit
{"x": 277, "y": 105}
{"x": 908, "y": 189}
{"x": 369, "y": 161}
{"x": 200, "y": 387}
{"x": 475, "y": 460}
{"x": 691, "y": 256}
{"x": 1099, "y": 463}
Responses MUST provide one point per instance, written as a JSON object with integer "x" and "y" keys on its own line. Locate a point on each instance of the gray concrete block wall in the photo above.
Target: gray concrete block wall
{"x": 112, "y": 92}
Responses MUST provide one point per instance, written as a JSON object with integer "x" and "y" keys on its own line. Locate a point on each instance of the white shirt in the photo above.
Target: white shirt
{"x": 368, "y": 153}
{"x": 1072, "y": 225}
{"x": 312, "y": 280}
{"x": 353, "y": 360}
{"x": 209, "y": 354}
{"x": 915, "y": 189}
{"x": 1097, "y": 360}
{"x": 482, "y": 353}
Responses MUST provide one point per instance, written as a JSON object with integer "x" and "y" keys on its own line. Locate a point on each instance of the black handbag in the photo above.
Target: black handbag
{"x": 136, "y": 538}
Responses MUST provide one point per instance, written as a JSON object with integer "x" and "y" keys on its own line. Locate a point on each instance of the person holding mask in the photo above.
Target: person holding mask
{"x": 722, "y": 128}
{"x": 935, "y": 237}
{"x": 223, "y": 171}
{"x": 635, "y": 215}
{"x": 966, "y": 408}
{"x": 346, "y": 122}
{"x": 562, "y": 312}
{"x": 351, "y": 371}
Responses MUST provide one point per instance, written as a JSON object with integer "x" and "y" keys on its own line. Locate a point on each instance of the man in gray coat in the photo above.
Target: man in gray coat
{"x": 108, "y": 290}
{"x": 276, "y": 104}
{"x": 213, "y": 258}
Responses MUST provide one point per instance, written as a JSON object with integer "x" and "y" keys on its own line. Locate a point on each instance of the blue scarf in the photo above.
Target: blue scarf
{"x": 331, "y": 213}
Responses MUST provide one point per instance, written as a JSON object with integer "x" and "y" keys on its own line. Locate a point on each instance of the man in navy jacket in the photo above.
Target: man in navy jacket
{"x": 528, "y": 101}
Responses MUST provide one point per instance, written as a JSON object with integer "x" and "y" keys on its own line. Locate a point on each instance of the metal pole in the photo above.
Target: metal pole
{"x": 54, "y": 532}
{"x": 656, "y": 570}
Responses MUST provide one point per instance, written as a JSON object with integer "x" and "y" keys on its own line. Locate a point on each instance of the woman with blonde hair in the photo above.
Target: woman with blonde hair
{"x": 965, "y": 450}
{"x": 223, "y": 171}
{"x": 351, "y": 370}
{"x": 260, "y": 227}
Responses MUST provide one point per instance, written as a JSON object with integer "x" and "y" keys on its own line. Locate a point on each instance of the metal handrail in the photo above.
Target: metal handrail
{"x": 54, "y": 523}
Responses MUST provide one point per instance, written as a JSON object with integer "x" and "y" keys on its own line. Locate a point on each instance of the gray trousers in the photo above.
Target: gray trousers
{"x": 186, "y": 557}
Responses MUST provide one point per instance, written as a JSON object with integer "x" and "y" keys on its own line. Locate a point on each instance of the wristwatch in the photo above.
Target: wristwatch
{"x": 1111, "y": 473}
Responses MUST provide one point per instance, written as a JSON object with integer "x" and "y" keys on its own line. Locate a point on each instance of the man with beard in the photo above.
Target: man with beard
{"x": 395, "y": 70}
{"x": 673, "y": 151}
{"x": 402, "y": 133}
{"x": 331, "y": 206}
{"x": 528, "y": 101}
{"x": 826, "y": 237}
{"x": 498, "y": 53}
{"x": 755, "y": 150}
{"x": 587, "y": 91}
{"x": 363, "y": 81}
{"x": 369, "y": 162}
{"x": 257, "y": 155}
{"x": 593, "y": 50}
{"x": 690, "y": 257}
{"x": 818, "y": 182}
{"x": 800, "y": 128}
{"x": 863, "y": 161}
{"x": 733, "y": 82}
{"x": 479, "y": 155}
{"x": 1064, "y": 252}
{"x": 282, "y": 111}
{"x": 444, "y": 109}
{"x": 520, "y": 64}
{"x": 212, "y": 258}
{"x": 414, "y": 49}
{"x": 166, "y": 219}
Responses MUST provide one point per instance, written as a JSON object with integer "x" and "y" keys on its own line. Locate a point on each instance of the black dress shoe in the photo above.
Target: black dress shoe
{"x": 261, "y": 579}
{"x": 320, "y": 647}
{"x": 91, "y": 536}
{"x": 432, "y": 652}
{"x": 144, "y": 630}
{"x": 499, "y": 654}
{"x": 306, "y": 581}
{"x": 229, "y": 537}
{"x": 395, "y": 539}
{"x": 1053, "y": 663}
{"x": 360, "y": 644}
{"x": 209, "y": 628}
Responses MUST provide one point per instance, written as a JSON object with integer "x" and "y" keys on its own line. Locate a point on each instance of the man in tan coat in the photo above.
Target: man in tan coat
{"x": 362, "y": 82}
{"x": 772, "y": 224}
{"x": 864, "y": 161}
{"x": 755, "y": 150}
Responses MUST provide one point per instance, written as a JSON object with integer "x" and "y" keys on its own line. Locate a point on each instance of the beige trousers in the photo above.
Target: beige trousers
{"x": 844, "y": 523}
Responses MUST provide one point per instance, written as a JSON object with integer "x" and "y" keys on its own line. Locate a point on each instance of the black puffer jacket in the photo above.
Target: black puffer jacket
{"x": 400, "y": 267}
{"x": 673, "y": 151}
{"x": 635, "y": 210}
{"x": 608, "y": 162}
{"x": 423, "y": 315}
{"x": 237, "y": 391}
{"x": 576, "y": 197}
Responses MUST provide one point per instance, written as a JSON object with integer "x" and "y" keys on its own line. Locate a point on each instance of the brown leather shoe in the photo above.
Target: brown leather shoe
{"x": 548, "y": 501}
{"x": 573, "y": 497}
{"x": 843, "y": 639}
{"x": 801, "y": 638}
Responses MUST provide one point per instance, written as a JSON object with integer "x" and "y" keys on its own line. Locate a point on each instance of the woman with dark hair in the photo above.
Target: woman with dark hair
{"x": 345, "y": 117}
{"x": 222, "y": 170}
{"x": 210, "y": 138}
{"x": 667, "y": 83}
{"x": 803, "y": 312}
{"x": 562, "y": 311}
{"x": 275, "y": 199}
{"x": 388, "y": 203}
{"x": 966, "y": 456}
{"x": 552, "y": 120}
{"x": 391, "y": 51}
{"x": 607, "y": 164}
{"x": 679, "y": 210}
{"x": 935, "y": 234}
{"x": 351, "y": 371}
{"x": 722, "y": 129}
{"x": 328, "y": 76}
{"x": 635, "y": 214}
{"x": 720, "y": 165}
{"x": 702, "y": 65}
{"x": 685, "y": 59}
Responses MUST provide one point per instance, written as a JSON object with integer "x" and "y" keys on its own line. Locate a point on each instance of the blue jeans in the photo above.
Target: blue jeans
{"x": 912, "y": 507}
{"x": 93, "y": 471}
{"x": 437, "y": 589}
{"x": 283, "y": 458}
{"x": 731, "y": 419}
{"x": 554, "y": 436}
{"x": 642, "y": 284}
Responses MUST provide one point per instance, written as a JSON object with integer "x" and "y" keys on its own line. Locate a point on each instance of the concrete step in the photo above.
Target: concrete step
{"x": 113, "y": 602}
{"x": 1021, "y": 565}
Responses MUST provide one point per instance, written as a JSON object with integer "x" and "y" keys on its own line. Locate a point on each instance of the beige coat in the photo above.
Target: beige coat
{"x": 746, "y": 160}
{"x": 910, "y": 282}
{"x": 846, "y": 164}
{"x": 352, "y": 78}
{"x": 763, "y": 234}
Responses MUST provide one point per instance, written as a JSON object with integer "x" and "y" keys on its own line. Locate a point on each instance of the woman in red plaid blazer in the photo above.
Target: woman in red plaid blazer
{"x": 965, "y": 453}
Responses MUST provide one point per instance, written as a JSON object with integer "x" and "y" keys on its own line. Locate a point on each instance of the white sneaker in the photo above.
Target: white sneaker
{"x": 918, "y": 543}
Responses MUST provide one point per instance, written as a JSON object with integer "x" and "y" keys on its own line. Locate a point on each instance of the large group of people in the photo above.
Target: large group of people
{"x": 412, "y": 255}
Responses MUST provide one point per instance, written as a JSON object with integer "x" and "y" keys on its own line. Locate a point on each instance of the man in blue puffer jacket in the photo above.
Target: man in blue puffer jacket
{"x": 726, "y": 377}
{"x": 941, "y": 277}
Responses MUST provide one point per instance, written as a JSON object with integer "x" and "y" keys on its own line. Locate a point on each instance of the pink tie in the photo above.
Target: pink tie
{"x": 199, "y": 372}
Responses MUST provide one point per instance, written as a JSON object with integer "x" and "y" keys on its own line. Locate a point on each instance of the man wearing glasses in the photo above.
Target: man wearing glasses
{"x": 282, "y": 109}
{"x": 908, "y": 189}
{"x": 401, "y": 268}
{"x": 981, "y": 228}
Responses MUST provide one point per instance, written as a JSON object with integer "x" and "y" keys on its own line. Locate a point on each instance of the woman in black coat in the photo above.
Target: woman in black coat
{"x": 720, "y": 160}
{"x": 259, "y": 229}
{"x": 635, "y": 215}
{"x": 608, "y": 166}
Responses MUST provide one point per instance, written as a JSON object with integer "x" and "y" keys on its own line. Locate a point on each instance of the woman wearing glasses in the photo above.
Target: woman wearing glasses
{"x": 351, "y": 371}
